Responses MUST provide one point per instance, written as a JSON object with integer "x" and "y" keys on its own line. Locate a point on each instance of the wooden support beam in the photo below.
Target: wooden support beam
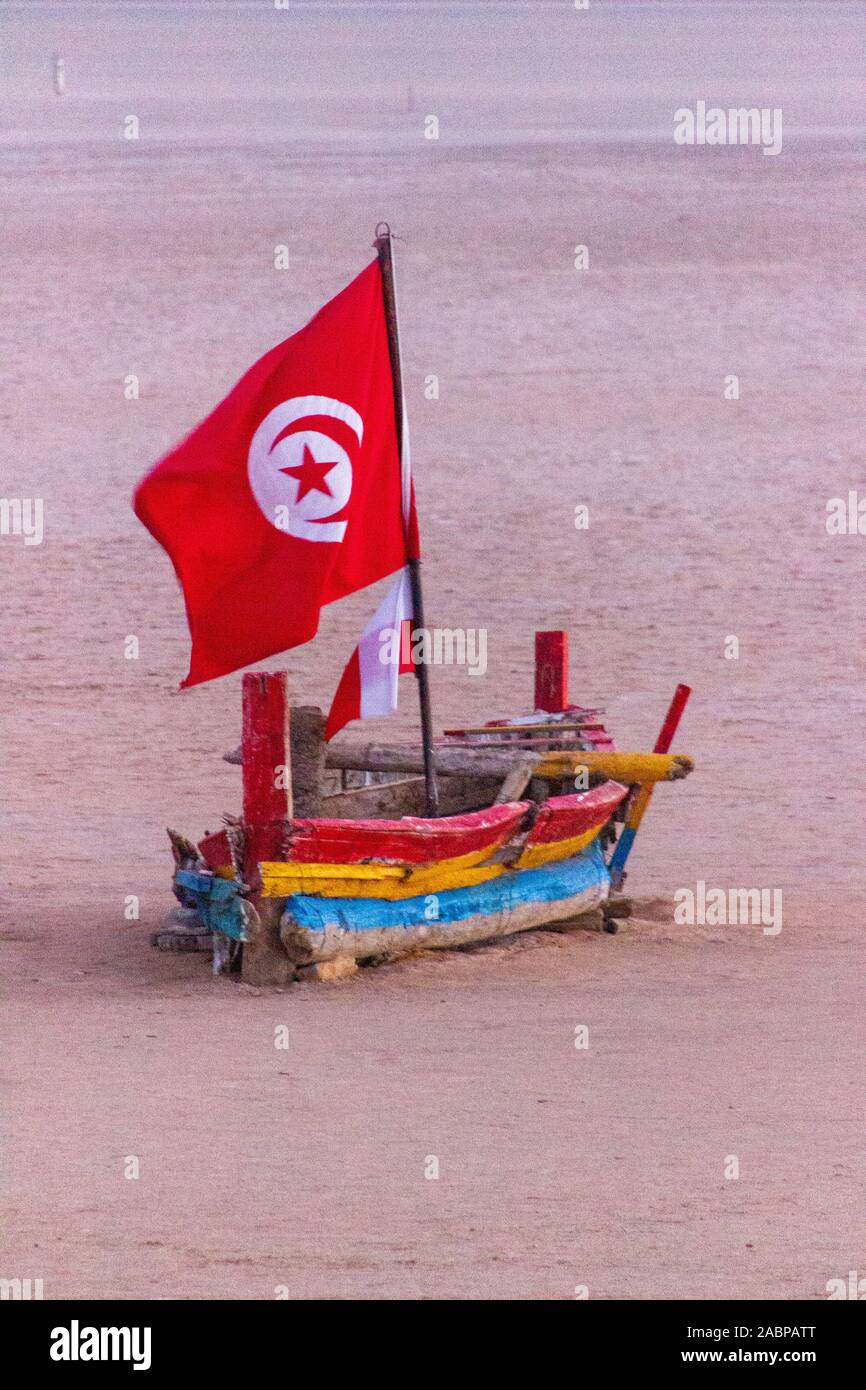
{"x": 307, "y": 741}
{"x": 467, "y": 760}
{"x": 551, "y": 671}
{"x": 554, "y": 764}
{"x": 589, "y": 717}
{"x": 541, "y": 742}
{"x": 517, "y": 780}
{"x": 383, "y": 757}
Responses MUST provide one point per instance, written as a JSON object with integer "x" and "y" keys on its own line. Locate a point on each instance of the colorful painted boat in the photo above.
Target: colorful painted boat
{"x": 309, "y": 891}
{"x": 401, "y": 884}
{"x": 518, "y": 813}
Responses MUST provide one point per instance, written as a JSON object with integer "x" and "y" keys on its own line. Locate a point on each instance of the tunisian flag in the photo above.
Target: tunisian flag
{"x": 290, "y": 494}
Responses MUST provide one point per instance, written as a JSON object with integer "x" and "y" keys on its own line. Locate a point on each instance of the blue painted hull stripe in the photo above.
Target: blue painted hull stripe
{"x": 551, "y": 883}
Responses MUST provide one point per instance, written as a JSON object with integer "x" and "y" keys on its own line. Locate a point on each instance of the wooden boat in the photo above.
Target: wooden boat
{"x": 519, "y": 814}
{"x": 300, "y": 892}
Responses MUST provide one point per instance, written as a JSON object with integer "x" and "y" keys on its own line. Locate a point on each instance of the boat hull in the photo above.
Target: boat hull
{"x": 315, "y": 929}
{"x": 413, "y": 884}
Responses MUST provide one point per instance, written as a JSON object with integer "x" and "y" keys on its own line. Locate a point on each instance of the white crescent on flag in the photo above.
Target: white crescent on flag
{"x": 301, "y": 477}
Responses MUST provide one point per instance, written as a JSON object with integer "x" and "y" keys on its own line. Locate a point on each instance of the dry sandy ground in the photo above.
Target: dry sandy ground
{"x": 305, "y": 1168}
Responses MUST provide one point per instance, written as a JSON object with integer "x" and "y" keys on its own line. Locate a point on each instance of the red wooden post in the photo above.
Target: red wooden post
{"x": 267, "y": 779}
{"x": 551, "y": 671}
{"x": 265, "y": 749}
{"x": 672, "y": 719}
{"x": 619, "y": 858}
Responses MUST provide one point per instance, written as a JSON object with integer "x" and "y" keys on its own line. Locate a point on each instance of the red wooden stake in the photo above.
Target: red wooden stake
{"x": 551, "y": 671}
{"x": 672, "y": 719}
{"x": 267, "y": 769}
{"x": 267, "y": 776}
{"x": 619, "y": 858}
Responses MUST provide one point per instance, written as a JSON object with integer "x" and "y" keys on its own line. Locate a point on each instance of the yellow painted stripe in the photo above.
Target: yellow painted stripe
{"x": 392, "y": 882}
{"x": 280, "y": 881}
{"x": 361, "y": 871}
{"x": 453, "y": 875}
{"x": 310, "y": 873}
{"x": 374, "y": 880}
{"x": 534, "y": 855}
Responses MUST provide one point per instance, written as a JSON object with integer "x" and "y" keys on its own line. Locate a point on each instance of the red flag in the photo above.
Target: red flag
{"x": 368, "y": 685}
{"x": 288, "y": 495}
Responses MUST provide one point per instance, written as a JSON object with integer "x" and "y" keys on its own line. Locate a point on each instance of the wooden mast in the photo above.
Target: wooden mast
{"x": 389, "y": 294}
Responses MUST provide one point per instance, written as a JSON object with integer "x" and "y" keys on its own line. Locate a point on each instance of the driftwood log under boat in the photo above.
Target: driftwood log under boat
{"x": 318, "y": 874}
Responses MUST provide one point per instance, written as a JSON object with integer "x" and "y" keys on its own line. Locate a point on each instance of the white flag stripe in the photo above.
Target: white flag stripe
{"x": 379, "y": 678}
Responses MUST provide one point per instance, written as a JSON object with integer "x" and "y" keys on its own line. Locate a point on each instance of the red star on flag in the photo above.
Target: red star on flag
{"x": 310, "y": 474}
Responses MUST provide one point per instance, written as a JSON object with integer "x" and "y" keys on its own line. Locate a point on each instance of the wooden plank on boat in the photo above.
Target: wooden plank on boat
{"x": 515, "y": 744}
{"x": 362, "y": 872}
{"x": 619, "y": 767}
{"x": 379, "y": 757}
{"x": 565, "y": 825}
{"x": 412, "y": 841}
{"x": 553, "y": 765}
{"x": 517, "y": 780}
{"x": 381, "y": 881}
{"x": 564, "y": 816}
{"x": 550, "y": 727}
{"x": 533, "y": 856}
{"x": 307, "y": 736}
{"x": 471, "y": 761}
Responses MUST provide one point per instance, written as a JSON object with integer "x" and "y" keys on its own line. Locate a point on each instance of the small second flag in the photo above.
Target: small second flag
{"x": 368, "y": 686}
